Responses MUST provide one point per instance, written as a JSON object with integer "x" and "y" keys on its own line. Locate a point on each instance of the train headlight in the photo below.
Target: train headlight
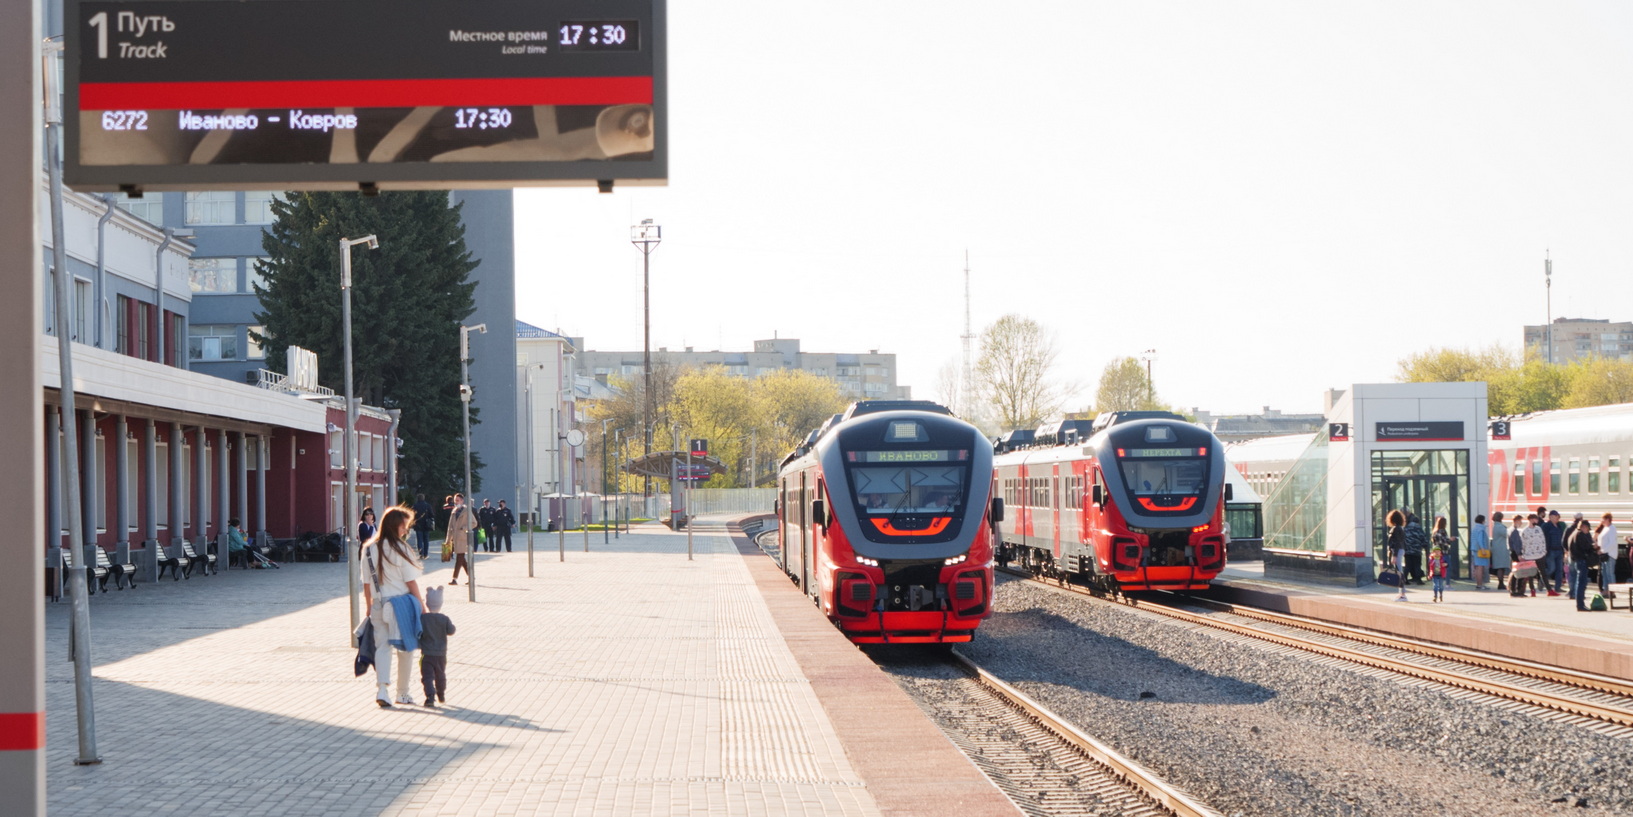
{"x": 957, "y": 560}
{"x": 863, "y": 560}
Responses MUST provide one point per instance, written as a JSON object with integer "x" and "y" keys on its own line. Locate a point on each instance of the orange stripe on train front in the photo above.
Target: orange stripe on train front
{"x": 1184, "y": 505}
{"x": 937, "y": 525}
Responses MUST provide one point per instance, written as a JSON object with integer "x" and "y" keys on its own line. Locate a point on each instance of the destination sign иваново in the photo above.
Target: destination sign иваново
{"x": 320, "y": 94}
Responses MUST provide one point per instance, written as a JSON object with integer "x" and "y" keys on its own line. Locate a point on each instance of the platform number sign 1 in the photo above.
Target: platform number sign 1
{"x": 700, "y": 449}
{"x": 1338, "y": 432}
{"x": 1500, "y": 430}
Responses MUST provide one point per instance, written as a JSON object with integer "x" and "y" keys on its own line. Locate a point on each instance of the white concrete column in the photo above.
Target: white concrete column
{"x": 150, "y": 500}
{"x": 90, "y": 480}
{"x": 122, "y": 486}
{"x": 178, "y": 499}
{"x": 263, "y": 465}
{"x": 242, "y": 457}
{"x": 53, "y": 492}
{"x": 22, "y": 639}
{"x": 150, "y": 478}
{"x": 201, "y": 488}
{"x": 223, "y": 499}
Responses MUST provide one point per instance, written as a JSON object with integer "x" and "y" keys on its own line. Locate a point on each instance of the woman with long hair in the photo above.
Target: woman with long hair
{"x": 391, "y": 591}
{"x": 1397, "y": 547}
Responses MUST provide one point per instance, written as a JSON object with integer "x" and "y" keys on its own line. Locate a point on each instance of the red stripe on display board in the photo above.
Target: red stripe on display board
{"x": 22, "y": 731}
{"x": 373, "y": 93}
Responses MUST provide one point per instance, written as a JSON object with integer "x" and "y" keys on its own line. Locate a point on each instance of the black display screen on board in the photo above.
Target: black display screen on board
{"x": 1425, "y": 430}
{"x": 327, "y": 94}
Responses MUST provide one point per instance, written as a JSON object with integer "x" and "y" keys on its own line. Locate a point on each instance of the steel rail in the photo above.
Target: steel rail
{"x": 1130, "y": 772}
{"x": 1445, "y": 652}
{"x": 1458, "y": 680}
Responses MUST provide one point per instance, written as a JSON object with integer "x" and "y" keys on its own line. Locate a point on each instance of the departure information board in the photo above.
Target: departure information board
{"x": 332, "y": 94}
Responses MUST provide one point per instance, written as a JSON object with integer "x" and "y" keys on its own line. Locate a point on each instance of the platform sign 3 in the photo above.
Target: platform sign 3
{"x": 333, "y": 94}
{"x": 1501, "y": 430}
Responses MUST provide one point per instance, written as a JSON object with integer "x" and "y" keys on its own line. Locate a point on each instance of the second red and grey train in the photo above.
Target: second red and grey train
{"x": 1139, "y": 505}
{"x": 886, "y": 522}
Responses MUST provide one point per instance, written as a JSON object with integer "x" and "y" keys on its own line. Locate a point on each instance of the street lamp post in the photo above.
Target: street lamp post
{"x": 465, "y": 408}
{"x": 348, "y": 503}
{"x": 604, "y": 534}
{"x": 1150, "y": 388}
{"x": 646, "y": 236}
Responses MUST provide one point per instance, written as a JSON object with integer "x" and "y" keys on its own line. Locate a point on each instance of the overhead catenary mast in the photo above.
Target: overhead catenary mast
{"x": 966, "y": 392}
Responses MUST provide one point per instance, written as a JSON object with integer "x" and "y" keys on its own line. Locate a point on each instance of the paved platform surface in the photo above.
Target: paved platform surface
{"x": 1545, "y": 629}
{"x": 626, "y": 680}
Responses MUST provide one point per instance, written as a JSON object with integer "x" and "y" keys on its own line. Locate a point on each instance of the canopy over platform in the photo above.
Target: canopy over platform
{"x": 662, "y": 465}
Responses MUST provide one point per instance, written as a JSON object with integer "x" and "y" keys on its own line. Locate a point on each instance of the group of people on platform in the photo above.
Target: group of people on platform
{"x": 1536, "y": 550}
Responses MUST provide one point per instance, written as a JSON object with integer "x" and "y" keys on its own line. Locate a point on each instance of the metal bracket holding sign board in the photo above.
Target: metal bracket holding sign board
{"x": 371, "y": 94}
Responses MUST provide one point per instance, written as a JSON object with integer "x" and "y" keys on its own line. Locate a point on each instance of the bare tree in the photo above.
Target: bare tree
{"x": 1125, "y": 387}
{"x": 948, "y": 386}
{"x": 1014, "y": 372}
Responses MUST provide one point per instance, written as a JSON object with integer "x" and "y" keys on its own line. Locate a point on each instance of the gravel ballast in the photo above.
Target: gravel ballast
{"x": 1251, "y": 732}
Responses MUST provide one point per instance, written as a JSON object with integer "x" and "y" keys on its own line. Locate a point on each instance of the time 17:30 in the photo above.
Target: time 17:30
{"x": 482, "y": 118}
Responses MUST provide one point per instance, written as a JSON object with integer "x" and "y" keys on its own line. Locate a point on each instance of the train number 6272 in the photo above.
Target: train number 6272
{"x": 124, "y": 120}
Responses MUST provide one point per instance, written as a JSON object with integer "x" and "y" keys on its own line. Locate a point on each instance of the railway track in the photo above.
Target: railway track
{"x": 1600, "y": 703}
{"x": 1045, "y": 765}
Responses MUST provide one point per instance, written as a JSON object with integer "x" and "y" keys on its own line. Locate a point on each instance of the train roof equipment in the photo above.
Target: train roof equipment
{"x": 1111, "y": 418}
{"x": 1063, "y": 432}
{"x": 862, "y": 407}
{"x": 1014, "y": 440}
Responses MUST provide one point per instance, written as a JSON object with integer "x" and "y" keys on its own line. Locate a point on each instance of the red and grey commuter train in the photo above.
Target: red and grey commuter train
{"x": 886, "y": 520}
{"x": 1139, "y": 505}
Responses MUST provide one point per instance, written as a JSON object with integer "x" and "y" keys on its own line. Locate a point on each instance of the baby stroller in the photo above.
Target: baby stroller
{"x": 252, "y": 556}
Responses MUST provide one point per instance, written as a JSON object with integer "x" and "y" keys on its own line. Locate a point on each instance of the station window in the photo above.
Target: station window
{"x": 1613, "y": 478}
{"x": 212, "y": 276}
{"x": 147, "y": 208}
{"x": 252, "y": 348}
{"x": 254, "y": 275}
{"x": 1593, "y": 475}
{"x": 212, "y": 341}
{"x": 212, "y": 207}
{"x": 258, "y": 206}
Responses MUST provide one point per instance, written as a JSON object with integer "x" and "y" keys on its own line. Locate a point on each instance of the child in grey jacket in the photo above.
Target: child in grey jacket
{"x": 434, "y": 631}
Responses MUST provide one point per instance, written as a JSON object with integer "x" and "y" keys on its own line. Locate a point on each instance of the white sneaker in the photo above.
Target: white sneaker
{"x": 405, "y": 699}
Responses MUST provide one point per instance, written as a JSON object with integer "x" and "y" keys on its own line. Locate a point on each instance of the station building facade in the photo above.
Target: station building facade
{"x": 167, "y": 455}
{"x": 1419, "y": 447}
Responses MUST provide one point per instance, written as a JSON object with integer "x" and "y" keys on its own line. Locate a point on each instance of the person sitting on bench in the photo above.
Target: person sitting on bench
{"x": 237, "y": 545}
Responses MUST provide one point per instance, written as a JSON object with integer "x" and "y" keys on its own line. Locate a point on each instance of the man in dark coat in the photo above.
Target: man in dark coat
{"x": 1417, "y": 541}
{"x": 424, "y": 520}
{"x": 484, "y": 518}
{"x": 1553, "y": 574}
{"x": 503, "y": 522}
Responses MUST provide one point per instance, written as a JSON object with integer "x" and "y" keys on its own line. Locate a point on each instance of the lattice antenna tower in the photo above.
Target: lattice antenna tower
{"x": 966, "y": 392}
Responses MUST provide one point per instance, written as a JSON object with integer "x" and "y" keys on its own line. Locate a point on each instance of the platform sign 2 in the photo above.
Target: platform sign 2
{"x": 336, "y": 94}
{"x": 1338, "y": 432}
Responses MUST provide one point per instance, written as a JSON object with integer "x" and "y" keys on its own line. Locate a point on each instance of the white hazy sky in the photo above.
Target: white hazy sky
{"x": 1278, "y": 197}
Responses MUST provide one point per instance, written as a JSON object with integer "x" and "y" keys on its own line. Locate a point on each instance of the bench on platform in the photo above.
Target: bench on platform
{"x": 177, "y": 565}
{"x": 123, "y": 574}
{"x": 205, "y": 563}
{"x": 95, "y": 575}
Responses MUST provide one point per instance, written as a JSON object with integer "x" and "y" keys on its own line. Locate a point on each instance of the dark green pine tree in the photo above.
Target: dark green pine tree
{"x": 408, "y": 299}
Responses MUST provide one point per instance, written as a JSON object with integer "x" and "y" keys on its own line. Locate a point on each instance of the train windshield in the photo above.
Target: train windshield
{"x": 909, "y": 483}
{"x": 1163, "y": 472}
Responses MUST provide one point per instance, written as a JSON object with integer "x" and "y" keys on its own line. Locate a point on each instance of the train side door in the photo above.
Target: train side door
{"x": 1055, "y": 507}
{"x": 804, "y": 536}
